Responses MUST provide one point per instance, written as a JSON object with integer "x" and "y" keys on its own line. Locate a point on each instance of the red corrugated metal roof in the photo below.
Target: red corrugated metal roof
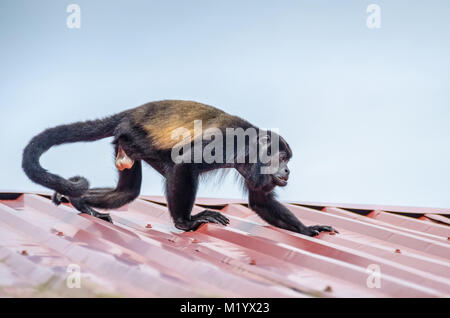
{"x": 143, "y": 254}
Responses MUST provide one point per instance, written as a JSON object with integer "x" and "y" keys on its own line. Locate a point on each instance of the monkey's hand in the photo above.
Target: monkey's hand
{"x": 316, "y": 229}
{"x": 206, "y": 216}
{"x": 275, "y": 213}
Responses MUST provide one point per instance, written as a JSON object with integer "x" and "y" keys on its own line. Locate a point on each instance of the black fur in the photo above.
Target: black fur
{"x": 134, "y": 131}
{"x": 81, "y": 131}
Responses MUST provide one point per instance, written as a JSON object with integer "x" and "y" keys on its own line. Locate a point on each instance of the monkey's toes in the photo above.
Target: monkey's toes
{"x": 58, "y": 198}
{"x": 103, "y": 216}
{"x": 316, "y": 229}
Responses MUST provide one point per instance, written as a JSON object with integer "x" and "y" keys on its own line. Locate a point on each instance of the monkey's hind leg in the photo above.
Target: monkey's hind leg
{"x": 127, "y": 189}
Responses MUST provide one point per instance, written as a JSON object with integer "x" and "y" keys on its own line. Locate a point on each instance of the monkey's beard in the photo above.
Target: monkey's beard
{"x": 281, "y": 182}
{"x": 256, "y": 181}
{"x": 262, "y": 182}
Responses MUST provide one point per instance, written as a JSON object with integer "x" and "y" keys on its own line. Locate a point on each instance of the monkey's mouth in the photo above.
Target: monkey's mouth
{"x": 280, "y": 181}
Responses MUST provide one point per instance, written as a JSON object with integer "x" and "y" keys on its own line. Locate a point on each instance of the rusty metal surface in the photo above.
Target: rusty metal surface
{"x": 143, "y": 255}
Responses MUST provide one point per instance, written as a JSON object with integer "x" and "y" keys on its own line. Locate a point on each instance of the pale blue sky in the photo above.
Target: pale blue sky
{"x": 366, "y": 111}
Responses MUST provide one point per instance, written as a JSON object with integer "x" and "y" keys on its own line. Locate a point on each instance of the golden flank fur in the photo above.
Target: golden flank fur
{"x": 160, "y": 119}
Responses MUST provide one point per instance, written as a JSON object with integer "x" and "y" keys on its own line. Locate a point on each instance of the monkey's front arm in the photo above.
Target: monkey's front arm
{"x": 274, "y": 213}
{"x": 181, "y": 188}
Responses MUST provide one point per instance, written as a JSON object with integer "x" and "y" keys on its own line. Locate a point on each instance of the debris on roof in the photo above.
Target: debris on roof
{"x": 53, "y": 251}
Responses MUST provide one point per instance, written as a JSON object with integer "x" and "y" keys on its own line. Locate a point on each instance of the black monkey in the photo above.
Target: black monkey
{"x": 146, "y": 133}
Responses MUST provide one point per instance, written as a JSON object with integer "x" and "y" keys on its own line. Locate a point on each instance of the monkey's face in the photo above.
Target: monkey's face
{"x": 281, "y": 176}
{"x": 271, "y": 169}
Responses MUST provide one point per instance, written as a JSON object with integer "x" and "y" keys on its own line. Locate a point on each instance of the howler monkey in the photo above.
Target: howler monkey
{"x": 148, "y": 133}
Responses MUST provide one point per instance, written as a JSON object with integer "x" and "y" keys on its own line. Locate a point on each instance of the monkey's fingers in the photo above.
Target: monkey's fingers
{"x": 316, "y": 229}
{"x": 213, "y": 219}
{"x": 208, "y": 216}
{"x": 203, "y": 217}
{"x": 223, "y": 219}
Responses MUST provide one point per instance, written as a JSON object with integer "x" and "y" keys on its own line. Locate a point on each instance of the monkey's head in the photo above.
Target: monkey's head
{"x": 270, "y": 169}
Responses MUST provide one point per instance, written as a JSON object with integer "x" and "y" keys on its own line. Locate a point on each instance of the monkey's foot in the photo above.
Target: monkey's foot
{"x": 123, "y": 161}
{"x": 206, "y": 216}
{"x": 103, "y": 216}
{"x": 316, "y": 229}
{"x": 58, "y": 198}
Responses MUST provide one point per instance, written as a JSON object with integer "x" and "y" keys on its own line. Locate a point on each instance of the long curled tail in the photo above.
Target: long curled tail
{"x": 81, "y": 131}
